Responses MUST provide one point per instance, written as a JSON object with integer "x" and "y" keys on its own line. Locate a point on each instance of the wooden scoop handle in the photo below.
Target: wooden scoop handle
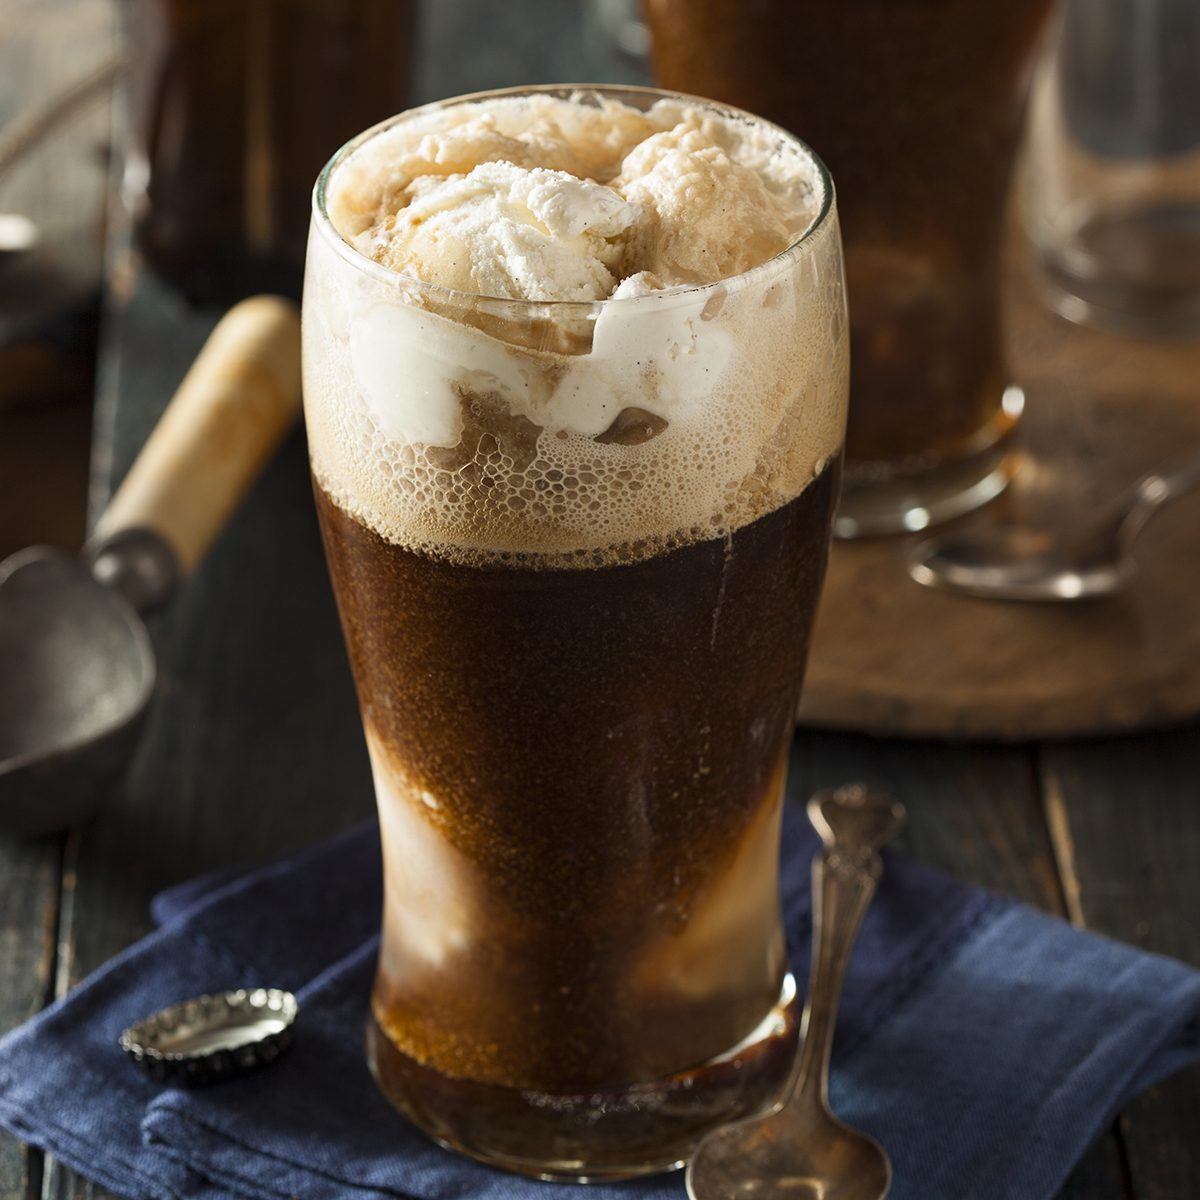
{"x": 231, "y": 411}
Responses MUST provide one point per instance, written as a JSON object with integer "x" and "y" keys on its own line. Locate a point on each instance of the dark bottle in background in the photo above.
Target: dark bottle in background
{"x": 237, "y": 104}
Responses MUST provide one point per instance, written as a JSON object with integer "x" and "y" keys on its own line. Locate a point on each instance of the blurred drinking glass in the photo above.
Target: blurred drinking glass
{"x": 1113, "y": 203}
{"x": 917, "y": 106}
{"x": 235, "y": 106}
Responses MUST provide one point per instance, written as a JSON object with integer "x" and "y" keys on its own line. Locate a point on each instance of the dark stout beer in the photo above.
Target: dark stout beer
{"x": 632, "y": 723}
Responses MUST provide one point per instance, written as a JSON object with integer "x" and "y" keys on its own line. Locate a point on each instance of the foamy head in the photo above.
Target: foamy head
{"x": 701, "y": 384}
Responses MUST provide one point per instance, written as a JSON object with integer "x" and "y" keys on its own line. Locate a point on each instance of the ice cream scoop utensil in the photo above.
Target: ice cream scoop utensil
{"x": 77, "y": 667}
{"x": 800, "y": 1150}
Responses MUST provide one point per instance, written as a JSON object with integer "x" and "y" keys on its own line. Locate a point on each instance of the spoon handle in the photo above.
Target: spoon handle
{"x": 1152, "y": 491}
{"x": 853, "y": 822}
{"x": 235, "y": 405}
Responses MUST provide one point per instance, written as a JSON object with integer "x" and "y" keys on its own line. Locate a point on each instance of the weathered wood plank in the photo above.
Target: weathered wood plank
{"x": 29, "y": 885}
{"x": 1126, "y": 826}
{"x": 972, "y": 810}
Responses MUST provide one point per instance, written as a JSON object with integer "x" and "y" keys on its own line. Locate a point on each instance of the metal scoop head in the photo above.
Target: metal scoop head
{"x": 77, "y": 677}
{"x": 76, "y": 666}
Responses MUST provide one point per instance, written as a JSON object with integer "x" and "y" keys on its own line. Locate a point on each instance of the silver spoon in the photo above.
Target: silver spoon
{"x": 800, "y": 1150}
{"x": 1014, "y": 562}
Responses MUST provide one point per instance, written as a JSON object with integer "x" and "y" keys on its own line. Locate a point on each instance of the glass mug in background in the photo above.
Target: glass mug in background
{"x": 917, "y": 107}
{"x": 578, "y": 657}
{"x": 235, "y": 106}
{"x": 1112, "y": 204}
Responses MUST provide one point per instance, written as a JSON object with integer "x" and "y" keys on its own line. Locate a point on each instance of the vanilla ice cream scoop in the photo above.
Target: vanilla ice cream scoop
{"x": 547, "y": 200}
{"x": 510, "y": 232}
{"x": 708, "y": 216}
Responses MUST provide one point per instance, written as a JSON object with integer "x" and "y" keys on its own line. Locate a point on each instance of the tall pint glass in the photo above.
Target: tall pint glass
{"x": 577, "y": 549}
{"x": 917, "y": 105}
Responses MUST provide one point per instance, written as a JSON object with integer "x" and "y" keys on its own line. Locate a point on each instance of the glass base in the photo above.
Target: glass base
{"x": 890, "y": 498}
{"x": 1134, "y": 271}
{"x": 589, "y": 1136}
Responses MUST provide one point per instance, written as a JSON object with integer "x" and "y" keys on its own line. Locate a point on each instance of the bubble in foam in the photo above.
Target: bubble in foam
{"x": 738, "y": 392}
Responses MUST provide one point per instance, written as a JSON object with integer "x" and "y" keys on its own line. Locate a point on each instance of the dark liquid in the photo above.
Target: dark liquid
{"x": 602, "y": 1133}
{"x": 237, "y": 106}
{"x": 604, "y": 750}
{"x": 916, "y": 107}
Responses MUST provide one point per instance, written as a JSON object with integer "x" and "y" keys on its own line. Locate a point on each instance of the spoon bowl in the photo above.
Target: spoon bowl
{"x": 1014, "y": 562}
{"x": 809, "y": 1155}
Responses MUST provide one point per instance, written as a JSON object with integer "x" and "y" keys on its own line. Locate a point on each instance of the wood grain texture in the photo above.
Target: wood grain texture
{"x": 1126, "y": 816}
{"x": 972, "y": 810}
{"x": 29, "y": 883}
{"x": 892, "y": 657}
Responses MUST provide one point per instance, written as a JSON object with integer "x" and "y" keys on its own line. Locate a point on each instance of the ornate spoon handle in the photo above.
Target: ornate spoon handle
{"x": 854, "y": 823}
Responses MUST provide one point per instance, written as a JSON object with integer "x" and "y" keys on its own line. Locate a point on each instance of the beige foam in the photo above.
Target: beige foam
{"x": 480, "y": 432}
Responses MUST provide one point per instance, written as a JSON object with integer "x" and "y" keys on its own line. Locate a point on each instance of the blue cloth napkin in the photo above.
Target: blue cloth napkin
{"x": 970, "y": 1024}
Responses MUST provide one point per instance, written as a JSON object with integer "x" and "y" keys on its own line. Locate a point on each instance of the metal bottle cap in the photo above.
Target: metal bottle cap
{"x": 212, "y": 1038}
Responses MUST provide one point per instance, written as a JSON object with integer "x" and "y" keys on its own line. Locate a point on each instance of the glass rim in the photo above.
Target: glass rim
{"x": 454, "y": 296}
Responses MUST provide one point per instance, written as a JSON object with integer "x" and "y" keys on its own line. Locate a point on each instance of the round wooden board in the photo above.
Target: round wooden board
{"x": 891, "y": 657}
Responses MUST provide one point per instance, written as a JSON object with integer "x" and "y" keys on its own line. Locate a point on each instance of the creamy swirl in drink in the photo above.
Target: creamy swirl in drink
{"x": 575, "y": 386}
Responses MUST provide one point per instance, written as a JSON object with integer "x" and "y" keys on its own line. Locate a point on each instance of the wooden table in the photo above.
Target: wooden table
{"x": 254, "y": 746}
